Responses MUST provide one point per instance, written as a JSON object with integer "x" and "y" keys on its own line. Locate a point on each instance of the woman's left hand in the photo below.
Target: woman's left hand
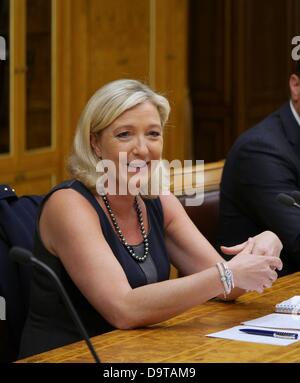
{"x": 265, "y": 243}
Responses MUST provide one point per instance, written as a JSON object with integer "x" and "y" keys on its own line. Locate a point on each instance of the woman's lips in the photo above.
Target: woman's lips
{"x": 137, "y": 165}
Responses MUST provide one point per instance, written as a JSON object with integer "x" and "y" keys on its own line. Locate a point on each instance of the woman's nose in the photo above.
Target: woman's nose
{"x": 141, "y": 147}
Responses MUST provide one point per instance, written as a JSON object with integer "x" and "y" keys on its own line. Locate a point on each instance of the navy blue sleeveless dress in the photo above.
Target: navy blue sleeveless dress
{"x": 48, "y": 323}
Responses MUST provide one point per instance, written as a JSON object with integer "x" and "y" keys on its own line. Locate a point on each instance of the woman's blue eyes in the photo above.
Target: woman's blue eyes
{"x": 123, "y": 134}
{"x": 155, "y": 133}
{"x": 126, "y": 134}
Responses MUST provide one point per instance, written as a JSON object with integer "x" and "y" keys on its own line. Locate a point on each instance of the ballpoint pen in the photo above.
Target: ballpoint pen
{"x": 272, "y": 333}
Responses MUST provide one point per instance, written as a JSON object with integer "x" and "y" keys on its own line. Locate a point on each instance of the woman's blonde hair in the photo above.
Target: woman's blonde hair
{"x": 107, "y": 104}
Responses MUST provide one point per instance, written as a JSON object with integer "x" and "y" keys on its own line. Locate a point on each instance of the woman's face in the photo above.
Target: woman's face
{"x": 137, "y": 133}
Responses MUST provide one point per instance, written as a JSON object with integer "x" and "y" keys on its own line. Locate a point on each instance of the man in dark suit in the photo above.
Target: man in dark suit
{"x": 263, "y": 162}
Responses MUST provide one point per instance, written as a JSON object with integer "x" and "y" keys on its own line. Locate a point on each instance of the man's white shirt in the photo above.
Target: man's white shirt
{"x": 296, "y": 115}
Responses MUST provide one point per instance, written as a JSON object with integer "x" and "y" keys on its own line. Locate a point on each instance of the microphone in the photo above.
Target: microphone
{"x": 21, "y": 255}
{"x": 287, "y": 200}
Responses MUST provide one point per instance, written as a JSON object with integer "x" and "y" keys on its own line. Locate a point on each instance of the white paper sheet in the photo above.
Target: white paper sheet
{"x": 277, "y": 321}
{"x": 234, "y": 334}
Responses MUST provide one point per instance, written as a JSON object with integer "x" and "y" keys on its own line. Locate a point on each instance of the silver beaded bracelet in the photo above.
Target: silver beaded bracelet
{"x": 226, "y": 277}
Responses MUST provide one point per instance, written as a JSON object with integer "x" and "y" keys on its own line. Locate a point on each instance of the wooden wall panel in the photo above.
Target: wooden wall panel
{"x": 223, "y": 64}
{"x": 64, "y": 133}
{"x": 78, "y": 66}
{"x": 265, "y": 70}
{"x": 263, "y": 63}
{"x": 171, "y": 69}
{"x": 210, "y": 77}
{"x": 207, "y": 50}
{"x": 118, "y": 41}
{"x": 145, "y": 40}
{"x": 240, "y": 60}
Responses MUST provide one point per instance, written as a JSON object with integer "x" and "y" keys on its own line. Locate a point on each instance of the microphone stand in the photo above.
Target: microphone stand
{"x": 70, "y": 306}
{"x": 21, "y": 255}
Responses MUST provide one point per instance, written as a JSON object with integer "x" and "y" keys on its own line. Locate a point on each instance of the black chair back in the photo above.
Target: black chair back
{"x": 17, "y": 228}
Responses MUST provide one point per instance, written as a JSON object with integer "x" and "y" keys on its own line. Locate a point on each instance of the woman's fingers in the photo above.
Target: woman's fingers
{"x": 274, "y": 262}
{"x": 233, "y": 250}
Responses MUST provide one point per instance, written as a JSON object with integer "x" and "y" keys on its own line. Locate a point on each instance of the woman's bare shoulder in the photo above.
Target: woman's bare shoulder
{"x": 67, "y": 199}
{"x": 67, "y": 219}
{"x": 67, "y": 209}
{"x": 172, "y": 207}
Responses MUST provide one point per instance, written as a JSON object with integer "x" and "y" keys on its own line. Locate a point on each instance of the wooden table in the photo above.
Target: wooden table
{"x": 182, "y": 339}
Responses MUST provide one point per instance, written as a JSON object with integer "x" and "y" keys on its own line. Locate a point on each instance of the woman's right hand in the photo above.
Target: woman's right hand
{"x": 254, "y": 272}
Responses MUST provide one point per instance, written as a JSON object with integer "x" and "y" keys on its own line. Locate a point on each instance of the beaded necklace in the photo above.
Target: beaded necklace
{"x": 118, "y": 230}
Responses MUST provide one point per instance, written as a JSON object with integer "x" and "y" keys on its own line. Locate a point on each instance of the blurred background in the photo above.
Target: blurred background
{"x": 223, "y": 65}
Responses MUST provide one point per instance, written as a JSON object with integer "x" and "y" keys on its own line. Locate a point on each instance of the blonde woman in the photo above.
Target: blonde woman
{"x": 113, "y": 251}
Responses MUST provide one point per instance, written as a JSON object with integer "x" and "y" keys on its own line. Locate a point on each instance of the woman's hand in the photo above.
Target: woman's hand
{"x": 265, "y": 243}
{"x": 254, "y": 273}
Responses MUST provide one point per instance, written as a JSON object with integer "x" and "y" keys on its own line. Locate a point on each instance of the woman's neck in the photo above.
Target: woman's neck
{"x": 121, "y": 204}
